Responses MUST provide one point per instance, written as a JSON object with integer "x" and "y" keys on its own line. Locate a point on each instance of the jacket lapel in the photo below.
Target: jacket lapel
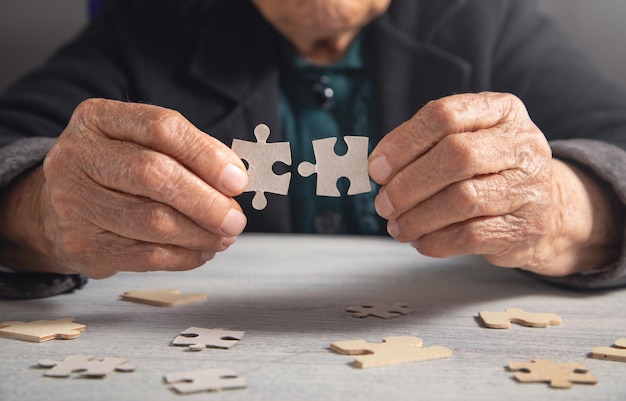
{"x": 408, "y": 68}
{"x": 237, "y": 59}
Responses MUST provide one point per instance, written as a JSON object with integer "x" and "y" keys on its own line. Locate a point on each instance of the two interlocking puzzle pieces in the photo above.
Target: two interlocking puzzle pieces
{"x": 261, "y": 157}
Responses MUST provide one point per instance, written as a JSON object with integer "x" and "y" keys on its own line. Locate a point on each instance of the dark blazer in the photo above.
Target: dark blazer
{"x": 215, "y": 62}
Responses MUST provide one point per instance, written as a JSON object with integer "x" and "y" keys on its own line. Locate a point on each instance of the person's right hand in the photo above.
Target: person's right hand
{"x": 135, "y": 187}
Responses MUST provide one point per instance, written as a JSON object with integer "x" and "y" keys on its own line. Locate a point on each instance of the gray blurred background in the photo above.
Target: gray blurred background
{"x": 31, "y": 29}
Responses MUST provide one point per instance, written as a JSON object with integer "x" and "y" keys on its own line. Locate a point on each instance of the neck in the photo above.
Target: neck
{"x": 323, "y": 51}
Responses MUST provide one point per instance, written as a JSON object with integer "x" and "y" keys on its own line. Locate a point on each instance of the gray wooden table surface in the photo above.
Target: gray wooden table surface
{"x": 289, "y": 294}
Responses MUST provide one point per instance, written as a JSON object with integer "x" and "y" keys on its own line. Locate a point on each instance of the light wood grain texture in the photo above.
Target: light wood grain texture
{"x": 289, "y": 294}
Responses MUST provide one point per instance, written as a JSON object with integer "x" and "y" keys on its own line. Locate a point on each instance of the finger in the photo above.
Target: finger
{"x": 497, "y": 235}
{"x": 114, "y": 254}
{"x": 167, "y": 132}
{"x": 462, "y": 157}
{"x": 483, "y": 196}
{"x": 133, "y": 169}
{"x": 435, "y": 121}
{"x": 141, "y": 219}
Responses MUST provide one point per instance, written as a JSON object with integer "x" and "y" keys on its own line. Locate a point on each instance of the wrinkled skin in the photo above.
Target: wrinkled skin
{"x": 137, "y": 187}
{"x": 472, "y": 174}
{"x": 134, "y": 187}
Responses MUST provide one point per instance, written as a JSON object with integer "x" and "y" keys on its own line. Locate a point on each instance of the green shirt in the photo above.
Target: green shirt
{"x": 319, "y": 102}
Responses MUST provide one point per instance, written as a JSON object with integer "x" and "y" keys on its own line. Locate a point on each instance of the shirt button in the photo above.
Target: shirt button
{"x": 327, "y": 222}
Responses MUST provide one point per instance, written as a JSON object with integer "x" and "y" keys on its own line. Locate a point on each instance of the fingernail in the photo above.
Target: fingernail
{"x": 379, "y": 169}
{"x": 233, "y": 223}
{"x": 206, "y": 256}
{"x": 234, "y": 179}
{"x": 392, "y": 228}
{"x": 383, "y": 205}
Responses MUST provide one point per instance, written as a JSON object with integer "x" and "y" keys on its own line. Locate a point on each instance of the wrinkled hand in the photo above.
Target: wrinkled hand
{"x": 472, "y": 174}
{"x": 134, "y": 187}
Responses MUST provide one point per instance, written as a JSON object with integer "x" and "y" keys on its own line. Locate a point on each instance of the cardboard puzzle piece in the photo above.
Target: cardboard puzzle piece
{"x": 615, "y": 353}
{"x": 330, "y": 167}
{"x": 205, "y": 380}
{"x": 391, "y": 351}
{"x": 198, "y": 338}
{"x": 558, "y": 375}
{"x": 381, "y": 310}
{"x": 261, "y": 157}
{"x": 502, "y": 320}
{"x": 162, "y": 297}
{"x": 86, "y": 366}
{"x": 42, "y": 330}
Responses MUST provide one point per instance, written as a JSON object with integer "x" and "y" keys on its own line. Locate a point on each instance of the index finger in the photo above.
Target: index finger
{"x": 168, "y": 132}
{"x": 436, "y": 120}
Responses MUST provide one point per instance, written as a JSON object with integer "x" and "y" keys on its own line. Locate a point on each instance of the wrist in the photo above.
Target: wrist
{"x": 25, "y": 245}
{"x": 587, "y": 234}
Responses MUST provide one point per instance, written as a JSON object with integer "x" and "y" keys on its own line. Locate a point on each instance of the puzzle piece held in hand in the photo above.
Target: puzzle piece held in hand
{"x": 42, "y": 330}
{"x": 502, "y": 320}
{"x": 198, "y": 338}
{"x": 330, "y": 167}
{"x": 86, "y": 366}
{"x": 615, "y": 353}
{"x": 559, "y": 375}
{"x": 391, "y": 351}
{"x": 261, "y": 157}
{"x": 383, "y": 311}
{"x": 162, "y": 297}
{"x": 205, "y": 380}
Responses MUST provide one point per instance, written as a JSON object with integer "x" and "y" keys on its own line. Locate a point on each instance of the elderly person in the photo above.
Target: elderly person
{"x": 490, "y": 135}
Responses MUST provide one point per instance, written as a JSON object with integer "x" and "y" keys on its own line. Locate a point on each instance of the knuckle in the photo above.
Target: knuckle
{"x": 466, "y": 157}
{"x": 160, "y": 221}
{"x": 153, "y": 258}
{"x": 154, "y": 172}
{"x": 444, "y": 109}
{"x": 165, "y": 123}
{"x": 469, "y": 196}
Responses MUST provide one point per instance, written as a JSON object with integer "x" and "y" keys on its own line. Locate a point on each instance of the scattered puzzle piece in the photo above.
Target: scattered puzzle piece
{"x": 261, "y": 157}
{"x": 384, "y": 311}
{"x": 559, "y": 375}
{"x": 42, "y": 330}
{"x": 198, "y": 338}
{"x": 162, "y": 297}
{"x": 86, "y": 366}
{"x": 391, "y": 351}
{"x": 330, "y": 167}
{"x": 205, "y": 380}
{"x": 615, "y": 353}
{"x": 502, "y": 320}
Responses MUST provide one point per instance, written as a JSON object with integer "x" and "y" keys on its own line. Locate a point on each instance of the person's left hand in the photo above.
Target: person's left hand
{"x": 470, "y": 174}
